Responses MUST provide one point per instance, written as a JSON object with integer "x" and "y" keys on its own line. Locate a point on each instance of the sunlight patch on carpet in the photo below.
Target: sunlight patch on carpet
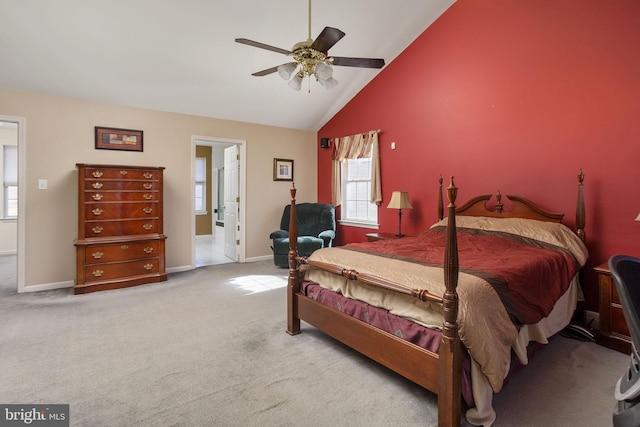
{"x": 259, "y": 283}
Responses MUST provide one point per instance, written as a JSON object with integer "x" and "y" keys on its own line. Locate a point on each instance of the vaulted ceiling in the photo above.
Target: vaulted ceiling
{"x": 180, "y": 56}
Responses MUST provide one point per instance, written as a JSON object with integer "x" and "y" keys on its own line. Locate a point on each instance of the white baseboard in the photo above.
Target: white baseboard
{"x": 259, "y": 258}
{"x": 179, "y": 269}
{"x": 49, "y": 286}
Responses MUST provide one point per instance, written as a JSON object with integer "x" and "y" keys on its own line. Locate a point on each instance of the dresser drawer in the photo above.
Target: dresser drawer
{"x": 106, "y": 210}
{"x": 615, "y": 298}
{"x": 614, "y": 332}
{"x": 120, "y": 196}
{"x": 120, "y": 252}
{"x": 126, "y": 185}
{"x": 123, "y": 173}
{"x": 121, "y": 269}
{"x": 618, "y": 324}
{"x": 118, "y": 228}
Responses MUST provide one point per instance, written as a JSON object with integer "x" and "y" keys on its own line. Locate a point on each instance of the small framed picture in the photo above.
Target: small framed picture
{"x": 118, "y": 139}
{"x": 282, "y": 170}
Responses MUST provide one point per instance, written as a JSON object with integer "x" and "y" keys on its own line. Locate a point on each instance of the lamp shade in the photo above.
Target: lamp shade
{"x": 330, "y": 83}
{"x": 323, "y": 71}
{"x": 400, "y": 200}
{"x": 286, "y": 70}
{"x": 296, "y": 82}
{"x": 638, "y": 217}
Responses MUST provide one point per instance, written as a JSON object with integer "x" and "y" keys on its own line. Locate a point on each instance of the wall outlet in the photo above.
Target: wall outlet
{"x": 393, "y": 145}
{"x": 42, "y": 184}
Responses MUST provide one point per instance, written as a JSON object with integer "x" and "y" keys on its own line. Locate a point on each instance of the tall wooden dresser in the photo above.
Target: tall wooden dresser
{"x": 120, "y": 227}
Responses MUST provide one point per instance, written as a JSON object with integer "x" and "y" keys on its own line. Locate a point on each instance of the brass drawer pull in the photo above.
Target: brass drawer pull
{"x": 97, "y": 273}
{"x": 148, "y": 267}
{"x": 123, "y": 172}
{"x": 147, "y": 186}
{"x": 148, "y": 250}
{"x": 97, "y": 196}
{"x": 148, "y": 175}
{"x": 97, "y": 174}
{"x": 147, "y": 227}
{"x": 97, "y": 211}
{"x": 97, "y": 255}
{"x": 147, "y": 210}
{"x": 97, "y": 229}
{"x": 124, "y": 247}
{"x": 147, "y": 196}
{"x": 97, "y": 185}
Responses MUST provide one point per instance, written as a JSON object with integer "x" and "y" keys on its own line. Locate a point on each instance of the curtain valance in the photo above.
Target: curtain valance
{"x": 362, "y": 145}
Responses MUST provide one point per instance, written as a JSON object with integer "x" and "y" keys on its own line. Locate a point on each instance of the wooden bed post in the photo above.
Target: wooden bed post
{"x": 440, "y": 202}
{"x": 580, "y": 214}
{"x": 293, "y": 321}
{"x": 449, "y": 390}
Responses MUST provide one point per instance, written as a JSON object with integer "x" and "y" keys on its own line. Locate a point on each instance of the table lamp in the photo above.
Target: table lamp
{"x": 400, "y": 200}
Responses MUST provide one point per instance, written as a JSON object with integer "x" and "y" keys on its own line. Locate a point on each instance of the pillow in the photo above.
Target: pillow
{"x": 553, "y": 233}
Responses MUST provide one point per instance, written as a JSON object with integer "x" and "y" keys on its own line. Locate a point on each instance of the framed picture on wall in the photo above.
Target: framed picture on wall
{"x": 118, "y": 139}
{"x": 282, "y": 170}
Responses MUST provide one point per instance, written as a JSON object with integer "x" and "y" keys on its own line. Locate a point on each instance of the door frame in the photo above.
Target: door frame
{"x": 242, "y": 191}
{"x": 22, "y": 140}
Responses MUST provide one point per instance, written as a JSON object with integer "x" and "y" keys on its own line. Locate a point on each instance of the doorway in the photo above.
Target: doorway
{"x": 218, "y": 200}
{"x": 12, "y": 149}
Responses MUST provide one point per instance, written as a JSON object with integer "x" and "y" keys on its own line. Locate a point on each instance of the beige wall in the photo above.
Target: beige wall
{"x": 60, "y": 133}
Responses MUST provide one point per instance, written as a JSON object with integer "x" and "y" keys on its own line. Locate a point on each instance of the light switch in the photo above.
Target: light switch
{"x": 42, "y": 184}
{"x": 393, "y": 145}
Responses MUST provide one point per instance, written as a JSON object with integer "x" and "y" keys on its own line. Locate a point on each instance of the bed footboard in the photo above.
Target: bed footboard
{"x": 439, "y": 373}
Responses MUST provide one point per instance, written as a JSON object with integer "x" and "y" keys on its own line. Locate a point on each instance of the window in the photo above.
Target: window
{"x": 10, "y": 181}
{"x": 356, "y": 206}
{"x": 201, "y": 185}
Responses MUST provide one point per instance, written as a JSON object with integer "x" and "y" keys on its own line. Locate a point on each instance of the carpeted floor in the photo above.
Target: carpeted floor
{"x": 208, "y": 348}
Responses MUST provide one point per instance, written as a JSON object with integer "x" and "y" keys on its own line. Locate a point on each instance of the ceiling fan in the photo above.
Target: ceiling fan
{"x": 311, "y": 58}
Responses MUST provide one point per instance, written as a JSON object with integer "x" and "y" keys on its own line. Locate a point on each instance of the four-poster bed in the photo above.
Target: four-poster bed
{"x": 360, "y": 284}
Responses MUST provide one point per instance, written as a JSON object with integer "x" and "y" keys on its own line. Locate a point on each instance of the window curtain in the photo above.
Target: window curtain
{"x": 355, "y": 147}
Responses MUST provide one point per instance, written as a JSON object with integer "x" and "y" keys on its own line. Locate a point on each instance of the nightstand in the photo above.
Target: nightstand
{"x": 613, "y": 332}
{"x": 372, "y": 237}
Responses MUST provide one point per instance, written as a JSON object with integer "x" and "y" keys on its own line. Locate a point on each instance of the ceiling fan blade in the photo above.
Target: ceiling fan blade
{"x": 327, "y": 38}
{"x": 358, "y": 62}
{"x": 263, "y": 46}
{"x": 265, "y": 72}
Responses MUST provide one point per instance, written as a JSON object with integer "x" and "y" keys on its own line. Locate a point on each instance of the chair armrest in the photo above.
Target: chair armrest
{"x": 330, "y": 234}
{"x": 327, "y": 236}
{"x": 279, "y": 234}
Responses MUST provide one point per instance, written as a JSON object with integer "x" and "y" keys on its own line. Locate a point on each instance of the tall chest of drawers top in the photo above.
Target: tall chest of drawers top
{"x": 117, "y": 200}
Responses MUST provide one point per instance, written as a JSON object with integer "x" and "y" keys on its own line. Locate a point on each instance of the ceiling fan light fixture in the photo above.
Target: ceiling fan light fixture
{"x": 311, "y": 58}
{"x": 296, "y": 82}
{"x": 323, "y": 71}
{"x": 329, "y": 83}
{"x": 286, "y": 70}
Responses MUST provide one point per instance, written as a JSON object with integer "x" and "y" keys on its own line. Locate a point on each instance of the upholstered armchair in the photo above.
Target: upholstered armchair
{"x": 316, "y": 229}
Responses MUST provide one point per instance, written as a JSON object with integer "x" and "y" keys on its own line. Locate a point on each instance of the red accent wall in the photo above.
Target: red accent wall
{"x": 514, "y": 96}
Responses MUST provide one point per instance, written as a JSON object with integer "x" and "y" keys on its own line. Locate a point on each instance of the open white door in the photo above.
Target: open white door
{"x": 231, "y": 201}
